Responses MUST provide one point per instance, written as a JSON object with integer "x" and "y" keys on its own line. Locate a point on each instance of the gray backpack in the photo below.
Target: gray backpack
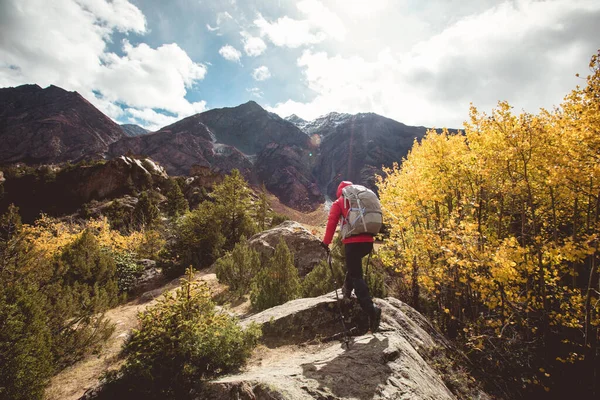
{"x": 364, "y": 214}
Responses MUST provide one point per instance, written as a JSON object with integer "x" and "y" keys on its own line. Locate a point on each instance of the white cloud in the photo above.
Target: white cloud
{"x": 261, "y": 73}
{"x": 323, "y": 18}
{"x": 223, "y": 16}
{"x": 63, "y": 42}
{"x": 154, "y": 78}
{"x": 319, "y": 24}
{"x": 288, "y": 32}
{"x": 230, "y": 53}
{"x": 526, "y": 52}
{"x": 253, "y": 46}
{"x": 118, "y": 14}
{"x": 256, "y": 92}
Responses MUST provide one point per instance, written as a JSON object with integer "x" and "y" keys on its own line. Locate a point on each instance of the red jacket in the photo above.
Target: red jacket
{"x": 339, "y": 209}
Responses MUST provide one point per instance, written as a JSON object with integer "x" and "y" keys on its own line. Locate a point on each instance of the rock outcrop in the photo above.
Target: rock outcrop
{"x": 305, "y": 247}
{"x": 62, "y": 190}
{"x": 301, "y": 361}
{"x": 52, "y": 125}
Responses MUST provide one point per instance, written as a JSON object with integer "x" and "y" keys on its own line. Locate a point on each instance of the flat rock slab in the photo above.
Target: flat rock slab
{"x": 390, "y": 364}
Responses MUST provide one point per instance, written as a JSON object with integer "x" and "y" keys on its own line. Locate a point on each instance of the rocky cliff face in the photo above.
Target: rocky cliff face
{"x": 51, "y": 125}
{"x": 62, "y": 190}
{"x": 286, "y": 172}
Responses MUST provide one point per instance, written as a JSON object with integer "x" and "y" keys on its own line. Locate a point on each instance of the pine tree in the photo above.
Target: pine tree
{"x": 176, "y": 202}
{"x": 233, "y": 201}
{"x": 199, "y": 240}
{"x": 319, "y": 281}
{"x": 238, "y": 267}
{"x": 278, "y": 282}
{"x": 262, "y": 209}
{"x": 146, "y": 212}
{"x": 25, "y": 342}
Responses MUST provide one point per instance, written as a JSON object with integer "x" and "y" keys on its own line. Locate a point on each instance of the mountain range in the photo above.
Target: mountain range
{"x": 299, "y": 161}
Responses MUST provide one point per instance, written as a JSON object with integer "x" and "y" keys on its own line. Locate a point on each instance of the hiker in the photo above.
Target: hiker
{"x": 356, "y": 247}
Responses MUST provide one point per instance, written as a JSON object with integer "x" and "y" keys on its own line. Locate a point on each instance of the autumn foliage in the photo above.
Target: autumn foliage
{"x": 495, "y": 232}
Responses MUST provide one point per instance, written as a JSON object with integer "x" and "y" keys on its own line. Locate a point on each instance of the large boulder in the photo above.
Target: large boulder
{"x": 398, "y": 362}
{"x": 305, "y": 246}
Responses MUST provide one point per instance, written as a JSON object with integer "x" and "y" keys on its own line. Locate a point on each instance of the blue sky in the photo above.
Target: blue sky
{"x": 152, "y": 62}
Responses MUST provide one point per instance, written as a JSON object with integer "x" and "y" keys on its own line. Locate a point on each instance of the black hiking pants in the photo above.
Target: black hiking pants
{"x": 354, "y": 274}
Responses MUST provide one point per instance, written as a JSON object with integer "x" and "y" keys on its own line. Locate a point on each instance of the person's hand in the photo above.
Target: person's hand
{"x": 325, "y": 246}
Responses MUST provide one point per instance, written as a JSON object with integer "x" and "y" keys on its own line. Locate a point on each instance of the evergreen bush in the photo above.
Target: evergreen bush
{"x": 181, "y": 341}
{"x": 238, "y": 267}
{"x": 318, "y": 281}
{"x": 176, "y": 204}
{"x": 198, "y": 240}
{"x": 127, "y": 269}
{"x": 25, "y": 343}
{"x": 278, "y": 282}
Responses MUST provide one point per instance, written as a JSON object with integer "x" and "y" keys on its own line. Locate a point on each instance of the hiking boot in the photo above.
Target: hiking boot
{"x": 375, "y": 319}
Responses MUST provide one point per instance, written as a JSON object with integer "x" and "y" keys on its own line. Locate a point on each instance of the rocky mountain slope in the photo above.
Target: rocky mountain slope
{"x": 180, "y": 149}
{"x": 354, "y": 147}
{"x": 50, "y": 125}
{"x": 263, "y": 146}
{"x": 133, "y": 130}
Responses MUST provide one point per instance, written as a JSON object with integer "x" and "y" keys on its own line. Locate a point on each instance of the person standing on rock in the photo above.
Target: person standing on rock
{"x": 356, "y": 247}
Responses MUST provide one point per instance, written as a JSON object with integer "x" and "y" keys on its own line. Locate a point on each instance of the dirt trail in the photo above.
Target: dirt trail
{"x": 72, "y": 382}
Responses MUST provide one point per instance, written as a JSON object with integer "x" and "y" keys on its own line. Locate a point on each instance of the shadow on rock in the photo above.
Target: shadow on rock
{"x": 356, "y": 373}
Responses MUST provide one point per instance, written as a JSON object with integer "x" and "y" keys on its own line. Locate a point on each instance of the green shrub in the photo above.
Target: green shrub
{"x": 120, "y": 215}
{"x": 197, "y": 241}
{"x": 318, "y": 281}
{"x": 25, "y": 355}
{"x": 238, "y": 267}
{"x": 278, "y": 282}
{"x": 128, "y": 270}
{"x": 277, "y": 219}
{"x": 83, "y": 286}
{"x": 176, "y": 203}
{"x": 146, "y": 212}
{"x": 375, "y": 278}
{"x": 181, "y": 341}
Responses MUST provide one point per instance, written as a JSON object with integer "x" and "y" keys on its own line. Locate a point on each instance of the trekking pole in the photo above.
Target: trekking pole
{"x": 368, "y": 263}
{"x": 346, "y": 337}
